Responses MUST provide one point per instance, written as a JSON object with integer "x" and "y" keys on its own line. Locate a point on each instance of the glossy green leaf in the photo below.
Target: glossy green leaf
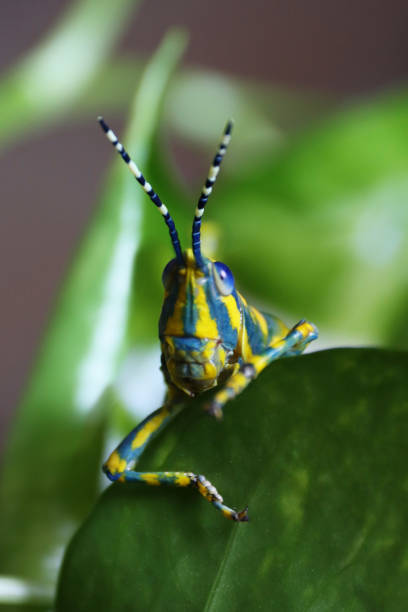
{"x": 325, "y": 223}
{"x": 317, "y": 447}
{"x": 45, "y": 84}
{"x": 52, "y": 464}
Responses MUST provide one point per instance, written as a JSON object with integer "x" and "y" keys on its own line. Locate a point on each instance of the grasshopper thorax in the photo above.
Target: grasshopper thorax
{"x": 199, "y": 322}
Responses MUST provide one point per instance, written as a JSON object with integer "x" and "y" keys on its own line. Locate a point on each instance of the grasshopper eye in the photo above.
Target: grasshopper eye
{"x": 168, "y": 273}
{"x": 224, "y": 279}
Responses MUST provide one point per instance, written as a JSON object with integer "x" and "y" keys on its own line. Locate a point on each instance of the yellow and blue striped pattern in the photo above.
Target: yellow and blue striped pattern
{"x": 210, "y": 336}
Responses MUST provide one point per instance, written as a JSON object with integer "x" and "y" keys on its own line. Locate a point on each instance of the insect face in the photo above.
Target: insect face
{"x": 199, "y": 322}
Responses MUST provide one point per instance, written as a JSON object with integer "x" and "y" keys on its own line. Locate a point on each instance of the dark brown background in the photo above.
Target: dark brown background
{"x": 50, "y": 182}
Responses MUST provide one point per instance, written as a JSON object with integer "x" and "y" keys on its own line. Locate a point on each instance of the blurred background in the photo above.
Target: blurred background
{"x": 328, "y": 54}
{"x": 317, "y": 170}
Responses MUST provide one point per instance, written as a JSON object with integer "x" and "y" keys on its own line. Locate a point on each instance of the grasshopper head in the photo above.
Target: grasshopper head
{"x": 199, "y": 322}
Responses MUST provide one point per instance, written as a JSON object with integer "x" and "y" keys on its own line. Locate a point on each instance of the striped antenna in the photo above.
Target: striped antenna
{"x": 146, "y": 186}
{"x": 207, "y": 189}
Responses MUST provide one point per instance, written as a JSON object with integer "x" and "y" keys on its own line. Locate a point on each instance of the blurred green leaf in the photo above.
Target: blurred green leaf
{"x": 320, "y": 459}
{"x": 53, "y": 75}
{"x": 50, "y": 82}
{"x": 201, "y": 101}
{"x": 264, "y": 110}
{"x": 320, "y": 229}
{"x": 52, "y": 464}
